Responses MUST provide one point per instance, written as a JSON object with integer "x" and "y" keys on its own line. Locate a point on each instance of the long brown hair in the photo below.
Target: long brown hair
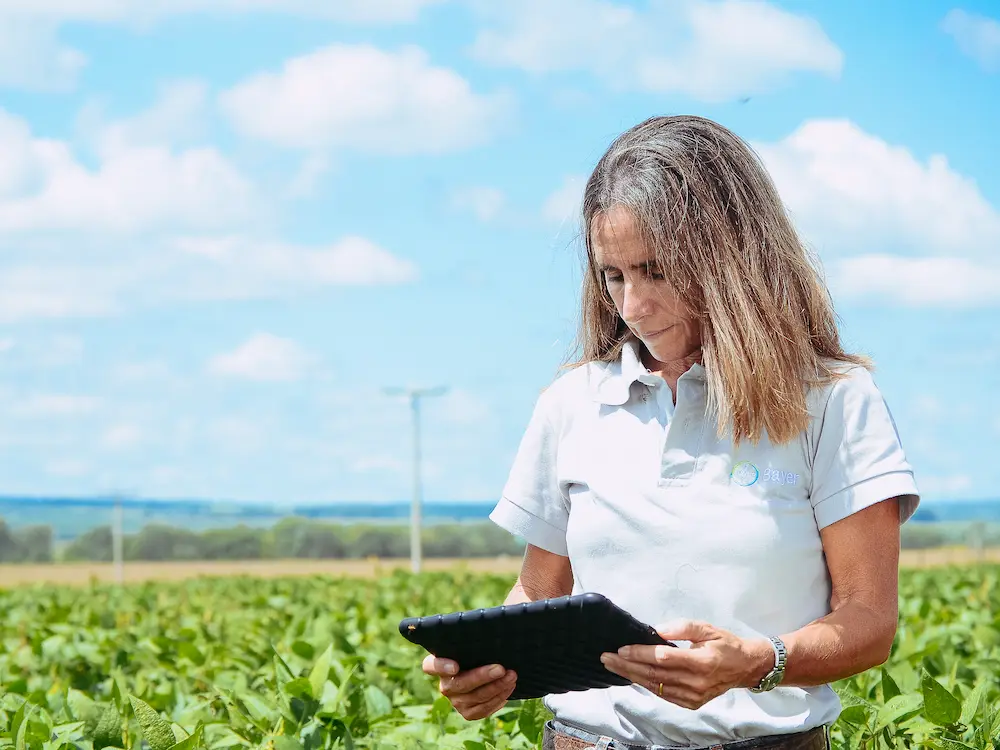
{"x": 705, "y": 205}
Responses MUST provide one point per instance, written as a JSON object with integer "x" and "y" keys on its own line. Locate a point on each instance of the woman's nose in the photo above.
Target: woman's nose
{"x": 635, "y": 303}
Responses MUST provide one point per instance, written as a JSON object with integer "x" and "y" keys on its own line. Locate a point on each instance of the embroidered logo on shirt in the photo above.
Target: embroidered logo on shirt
{"x": 745, "y": 473}
{"x": 779, "y": 477}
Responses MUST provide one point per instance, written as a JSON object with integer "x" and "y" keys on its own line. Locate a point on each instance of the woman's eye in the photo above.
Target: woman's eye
{"x": 612, "y": 278}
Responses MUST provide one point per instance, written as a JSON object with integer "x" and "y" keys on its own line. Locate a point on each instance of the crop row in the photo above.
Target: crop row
{"x": 309, "y": 663}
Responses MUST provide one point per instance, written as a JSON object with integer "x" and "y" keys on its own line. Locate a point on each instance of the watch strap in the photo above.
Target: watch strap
{"x": 773, "y": 678}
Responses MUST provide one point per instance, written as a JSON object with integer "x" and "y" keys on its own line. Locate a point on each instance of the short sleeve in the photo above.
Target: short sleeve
{"x": 532, "y": 505}
{"x": 859, "y": 459}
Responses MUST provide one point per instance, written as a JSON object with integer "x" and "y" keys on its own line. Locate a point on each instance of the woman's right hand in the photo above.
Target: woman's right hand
{"x": 477, "y": 693}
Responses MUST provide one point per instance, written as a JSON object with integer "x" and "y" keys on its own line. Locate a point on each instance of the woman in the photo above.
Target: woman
{"x": 716, "y": 465}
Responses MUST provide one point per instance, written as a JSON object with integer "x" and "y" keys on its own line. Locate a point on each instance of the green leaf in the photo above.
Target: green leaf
{"x": 190, "y": 651}
{"x": 300, "y": 687}
{"x": 441, "y": 709}
{"x": 82, "y": 708}
{"x": 68, "y": 732}
{"x": 377, "y": 703}
{"x": 18, "y": 720}
{"x": 190, "y": 743}
{"x": 22, "y": 729}
{"x": 333, "y": 701}
{"x": 155, "y": 730}
{"x": 282, "y": 672}
{"x": 259, "y": 709}
{"x": 531, "y": 719}
{"x": 109, "y": 728}
{"x": 282, "y": 742}
{"x": 321, "y": 670}
{"x": 943, "y": 743}
{"x": 857, "y": 714}
{"x": 340, "y": 731}
{"x": 971, "y": 705}
{"x": 889, "y": 687}
{"x": 940, "y": 706}
{"x": 897, "y": 707}
{"x": 119, "y": 696}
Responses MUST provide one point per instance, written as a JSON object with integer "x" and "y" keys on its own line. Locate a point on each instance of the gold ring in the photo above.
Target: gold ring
{"x": 659, "y": 690}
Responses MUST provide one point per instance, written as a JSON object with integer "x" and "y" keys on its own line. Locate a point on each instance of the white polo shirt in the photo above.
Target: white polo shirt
{"x": 667, "y": 521}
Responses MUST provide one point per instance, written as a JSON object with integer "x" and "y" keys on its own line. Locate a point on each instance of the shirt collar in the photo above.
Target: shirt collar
{"x": 615, "y": 381}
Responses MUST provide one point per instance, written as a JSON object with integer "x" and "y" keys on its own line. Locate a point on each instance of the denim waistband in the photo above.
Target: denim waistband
{"x": 602, "y": 742}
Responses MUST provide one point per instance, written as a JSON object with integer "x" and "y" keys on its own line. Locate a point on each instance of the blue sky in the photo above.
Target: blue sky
{"x": 226, "y": 224}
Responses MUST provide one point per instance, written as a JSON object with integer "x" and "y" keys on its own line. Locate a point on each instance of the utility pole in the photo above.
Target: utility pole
{"x": 117, "y": 534}
{"x": 414, "y": 395}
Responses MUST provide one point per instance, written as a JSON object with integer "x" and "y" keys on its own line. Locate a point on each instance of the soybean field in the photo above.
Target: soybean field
{"x": 310, "y": 663}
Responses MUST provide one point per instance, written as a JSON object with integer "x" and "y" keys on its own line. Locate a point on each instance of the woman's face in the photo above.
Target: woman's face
{"x": 642, "y": 296}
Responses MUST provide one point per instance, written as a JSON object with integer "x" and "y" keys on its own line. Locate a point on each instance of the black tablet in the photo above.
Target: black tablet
{"x": 554, "y": 645}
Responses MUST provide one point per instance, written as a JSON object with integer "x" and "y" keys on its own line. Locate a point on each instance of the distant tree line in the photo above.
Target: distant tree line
{"x": 297, "y": 537}
{"x": 290, "y": 538}
{"x": 28, "y": 544}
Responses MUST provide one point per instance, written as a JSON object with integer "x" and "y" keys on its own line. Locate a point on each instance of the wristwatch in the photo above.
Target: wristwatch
{"x": 772, "y": 678}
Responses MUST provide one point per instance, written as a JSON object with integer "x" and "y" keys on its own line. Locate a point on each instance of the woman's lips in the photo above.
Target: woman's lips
{"x": 655, "y": 333}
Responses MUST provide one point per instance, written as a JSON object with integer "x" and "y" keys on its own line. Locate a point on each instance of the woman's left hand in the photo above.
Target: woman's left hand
{"x": 690, "y": 677}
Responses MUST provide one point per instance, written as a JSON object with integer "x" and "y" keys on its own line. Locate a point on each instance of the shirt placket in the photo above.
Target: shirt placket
{"x": 683, "y": 433}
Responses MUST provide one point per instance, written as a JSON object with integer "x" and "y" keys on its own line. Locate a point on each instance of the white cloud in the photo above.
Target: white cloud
{"x": 134, "y": 188}
{"x": 178, "y": 114}
{"x": 365, "y": 98}
{"x": 52, "y": 291}
{"x": 849, "y": 190}
{"x": 709, "y": 50}
{"x": 56, "y": 405}
{"x": 977, "y": 36}
{"x": 195, "y": 268}
{"x": 240, "y": 267}
{"x": 564, "y": 203}
{"x": 893, "y": 229}
{"x": 33, "y": 57}
{"x": 912, "y": 282}
{"x": 121, "y": 437}
{"x": 264, "y": 357}
{"x": 34, "y": 352}
{"x": 129, "y": 11}
{"x": 485, "y": 203}
{"x": 69, "y": 224}
{"x": 314, "y": 166}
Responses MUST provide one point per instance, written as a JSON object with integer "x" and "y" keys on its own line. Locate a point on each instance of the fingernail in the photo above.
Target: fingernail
{"x": 624, "y": 651}
{"x": 605, "y": 658}
{"x": 496, "y": 671}
{"x": 510, "y": 676}
{"x": 450, "y": 668}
